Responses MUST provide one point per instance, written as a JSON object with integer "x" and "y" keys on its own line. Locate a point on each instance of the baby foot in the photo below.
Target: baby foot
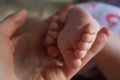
{"x": 55, "y": 26}
{"x": 74, "y": 35}
{"x": 77, "y": 36}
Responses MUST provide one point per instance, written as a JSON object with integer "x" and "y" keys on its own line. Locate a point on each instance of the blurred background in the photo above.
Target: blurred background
{"x": 43, "y": 8}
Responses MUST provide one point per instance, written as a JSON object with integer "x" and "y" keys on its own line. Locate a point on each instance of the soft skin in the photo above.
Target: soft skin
{"x": 23, "y": 55}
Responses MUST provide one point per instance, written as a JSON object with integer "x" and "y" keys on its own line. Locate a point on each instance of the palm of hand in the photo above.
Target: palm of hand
{"x": 25, "y": 57}
{"x": 31, "y": 61}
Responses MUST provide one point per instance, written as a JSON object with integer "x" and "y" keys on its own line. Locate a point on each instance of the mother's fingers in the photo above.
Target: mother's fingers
{"x": 12, "y": 23}
{"x": 100, "y": 41}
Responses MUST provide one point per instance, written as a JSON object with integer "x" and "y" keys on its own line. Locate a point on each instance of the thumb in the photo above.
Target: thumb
{"x": 13, "y": 22}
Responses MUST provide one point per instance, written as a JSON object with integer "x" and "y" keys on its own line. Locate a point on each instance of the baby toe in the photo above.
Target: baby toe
{"x": 53, "y": 34}
{"x": 83, "y": 46}
{"x": 90, "y": 29}
{"x": 80, "y": 54}
{"x": 49, "y": 40}
{"x": 71, "y": 60}
{"x": 82, "y": 49}
{"x": 53, "y": 26}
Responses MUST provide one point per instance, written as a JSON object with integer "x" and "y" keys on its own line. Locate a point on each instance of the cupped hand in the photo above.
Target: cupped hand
{"x": 24, "y": 56}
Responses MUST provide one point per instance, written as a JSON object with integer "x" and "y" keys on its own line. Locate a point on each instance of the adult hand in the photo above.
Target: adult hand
{"x": 24, "y": 57}
{"x": 7, "y": 45}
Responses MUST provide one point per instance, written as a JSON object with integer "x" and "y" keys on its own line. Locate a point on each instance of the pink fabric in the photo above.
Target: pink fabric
{"x": 106, "y": 15}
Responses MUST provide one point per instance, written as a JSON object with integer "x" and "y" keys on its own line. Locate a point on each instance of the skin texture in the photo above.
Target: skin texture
{"x": 23, "y": 56}
{"x": 72, "y": 35}
{"x": 72, "y": 41}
